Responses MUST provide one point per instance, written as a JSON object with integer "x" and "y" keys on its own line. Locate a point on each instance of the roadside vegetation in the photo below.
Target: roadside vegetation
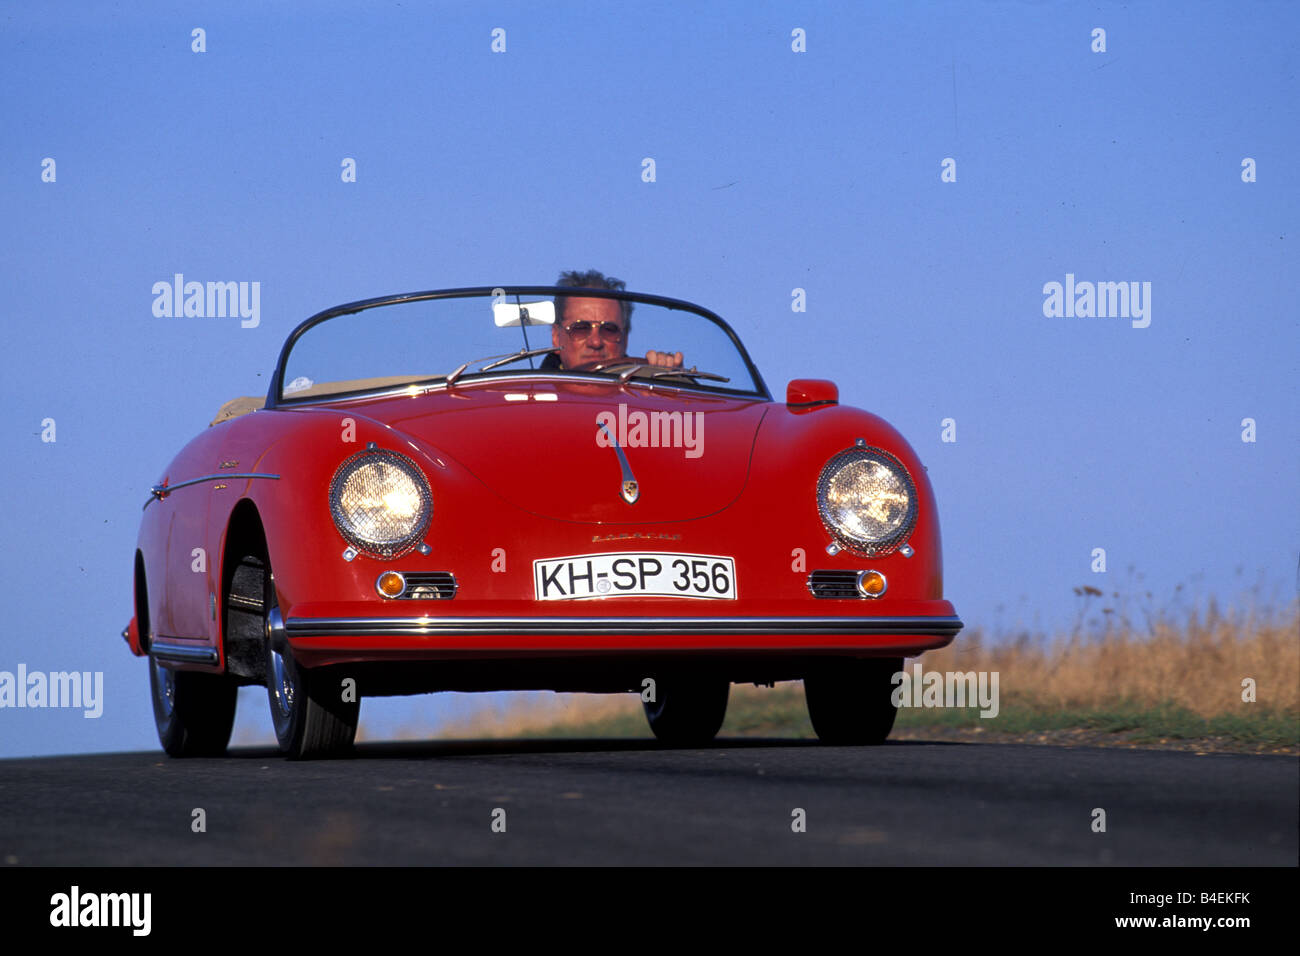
{"x": 1116, "y": 680}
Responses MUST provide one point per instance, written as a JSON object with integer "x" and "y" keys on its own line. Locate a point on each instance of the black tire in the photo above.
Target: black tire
{"x": 687, "y": 711}
{"x": 308, "y": 709}
{"x": 194, "y": 712}
{"x": 851, "y": 703}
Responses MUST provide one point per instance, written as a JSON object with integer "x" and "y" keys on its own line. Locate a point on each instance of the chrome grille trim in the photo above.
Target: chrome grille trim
{"x": 419, "y": 584}
{"x": 834, "y": 584}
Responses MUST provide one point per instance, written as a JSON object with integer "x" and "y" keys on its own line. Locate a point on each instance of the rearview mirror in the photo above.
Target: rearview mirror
{"x": 508, "y": 315}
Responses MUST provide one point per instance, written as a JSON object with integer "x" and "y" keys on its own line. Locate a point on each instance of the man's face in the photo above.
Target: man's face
{"x": 594, "y": 340}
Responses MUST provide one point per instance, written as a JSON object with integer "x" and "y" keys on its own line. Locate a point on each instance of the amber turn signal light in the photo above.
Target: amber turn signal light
{"x": 390, "y": 584}
{"x": 871, "y": 584}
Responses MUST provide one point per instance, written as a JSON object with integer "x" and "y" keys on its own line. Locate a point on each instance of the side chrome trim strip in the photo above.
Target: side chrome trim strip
{"x": 459, "y": 626}
{"x": 157, "y": 491}
{"x": 182, "y": 653}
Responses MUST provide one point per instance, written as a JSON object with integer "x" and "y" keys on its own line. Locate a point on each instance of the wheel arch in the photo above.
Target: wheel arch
{"x": 244, "y": 555}
{"x": 141, "y": 598}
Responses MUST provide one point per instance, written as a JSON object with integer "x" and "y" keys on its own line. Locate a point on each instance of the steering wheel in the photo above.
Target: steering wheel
{"x": 601, "y": 365}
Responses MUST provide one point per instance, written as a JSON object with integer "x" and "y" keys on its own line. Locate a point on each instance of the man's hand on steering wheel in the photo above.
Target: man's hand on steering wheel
{"x": 664, "y": 359}
{"x": 652, "y": 358}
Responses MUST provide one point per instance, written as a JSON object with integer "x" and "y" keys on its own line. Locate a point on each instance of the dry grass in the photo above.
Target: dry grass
{"x": 526, "y": 715}
{"x": 1197, "y": 665}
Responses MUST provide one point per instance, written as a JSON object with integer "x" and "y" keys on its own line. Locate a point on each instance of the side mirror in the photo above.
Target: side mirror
{"x": 811, "y": 392}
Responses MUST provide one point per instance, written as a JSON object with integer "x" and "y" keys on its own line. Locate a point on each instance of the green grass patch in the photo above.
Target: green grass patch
{"x": 1253, "y": 725}
{"x": 781, "y": 712}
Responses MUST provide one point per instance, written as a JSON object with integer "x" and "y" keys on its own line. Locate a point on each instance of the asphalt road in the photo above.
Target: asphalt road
{"x": 632, "y": 802}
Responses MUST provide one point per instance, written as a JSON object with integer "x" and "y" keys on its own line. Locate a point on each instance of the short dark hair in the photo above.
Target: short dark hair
{"x": 591, "y": 279}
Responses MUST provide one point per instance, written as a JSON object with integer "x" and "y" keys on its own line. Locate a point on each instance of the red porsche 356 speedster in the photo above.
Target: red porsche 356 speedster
{"x": 488, "y": 489}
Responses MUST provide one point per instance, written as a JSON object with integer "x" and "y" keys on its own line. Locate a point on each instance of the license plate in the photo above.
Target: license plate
{"x": 635, "y": 574}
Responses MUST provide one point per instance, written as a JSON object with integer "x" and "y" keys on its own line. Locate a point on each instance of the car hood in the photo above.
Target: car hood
{"x": 539, "y": 445}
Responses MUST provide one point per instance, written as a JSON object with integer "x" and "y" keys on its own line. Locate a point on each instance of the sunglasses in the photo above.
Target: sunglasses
{"x": 608, "y": 330}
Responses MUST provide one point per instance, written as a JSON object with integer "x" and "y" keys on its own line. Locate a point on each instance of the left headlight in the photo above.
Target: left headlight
{"x": 380, "y": 502}
{"x": 867, "y": 500}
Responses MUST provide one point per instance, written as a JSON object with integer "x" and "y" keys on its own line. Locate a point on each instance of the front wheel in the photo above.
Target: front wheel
{"x": 314, "y": 715}
{"x": 852, "y": 703}
{"x": 194, "y": 712}
{"x": 687, "y": 711}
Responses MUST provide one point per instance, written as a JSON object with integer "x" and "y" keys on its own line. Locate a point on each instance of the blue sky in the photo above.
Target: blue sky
{"x": 774, "y": 170}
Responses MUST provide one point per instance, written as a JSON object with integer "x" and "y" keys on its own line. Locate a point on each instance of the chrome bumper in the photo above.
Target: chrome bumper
{"x": 466, "y": 626}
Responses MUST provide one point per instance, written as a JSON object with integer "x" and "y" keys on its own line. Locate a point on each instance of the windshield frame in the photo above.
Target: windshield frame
{"x": 276, "y": 399}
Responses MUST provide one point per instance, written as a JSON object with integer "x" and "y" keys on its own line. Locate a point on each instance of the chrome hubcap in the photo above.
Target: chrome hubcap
{"x": 282, "y": 684}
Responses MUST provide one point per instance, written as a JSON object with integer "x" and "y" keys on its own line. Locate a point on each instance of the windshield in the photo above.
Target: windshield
{"x": 464, "y": 335}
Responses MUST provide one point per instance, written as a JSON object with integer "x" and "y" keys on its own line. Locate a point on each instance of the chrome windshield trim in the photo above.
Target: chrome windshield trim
{"x": 275, "y": 397}
{"x": 425, "y": 386}
{"x": 461, "y": 626}
{"x": 182, "y": 653}
{"x": 157, "y": 491}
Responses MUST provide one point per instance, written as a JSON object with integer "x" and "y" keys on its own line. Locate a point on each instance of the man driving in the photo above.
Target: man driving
{"x": 593, "y": 331}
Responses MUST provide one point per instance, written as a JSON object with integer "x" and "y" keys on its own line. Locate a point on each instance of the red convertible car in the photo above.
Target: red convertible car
{"x": 490, "y": 489}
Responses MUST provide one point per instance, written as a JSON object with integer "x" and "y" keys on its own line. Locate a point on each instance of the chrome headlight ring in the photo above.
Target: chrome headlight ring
{"x": 380, "y": 502}
{"x": 867, "y": 500}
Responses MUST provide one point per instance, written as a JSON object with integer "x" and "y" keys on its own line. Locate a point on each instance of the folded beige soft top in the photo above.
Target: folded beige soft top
{"x": 236, "y": 407}
{"x": 247, "y": 403}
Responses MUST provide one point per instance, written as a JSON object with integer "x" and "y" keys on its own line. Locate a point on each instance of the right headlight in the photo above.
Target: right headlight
{"x": 867, "y": 500}
{"x": 381, "y": 503}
